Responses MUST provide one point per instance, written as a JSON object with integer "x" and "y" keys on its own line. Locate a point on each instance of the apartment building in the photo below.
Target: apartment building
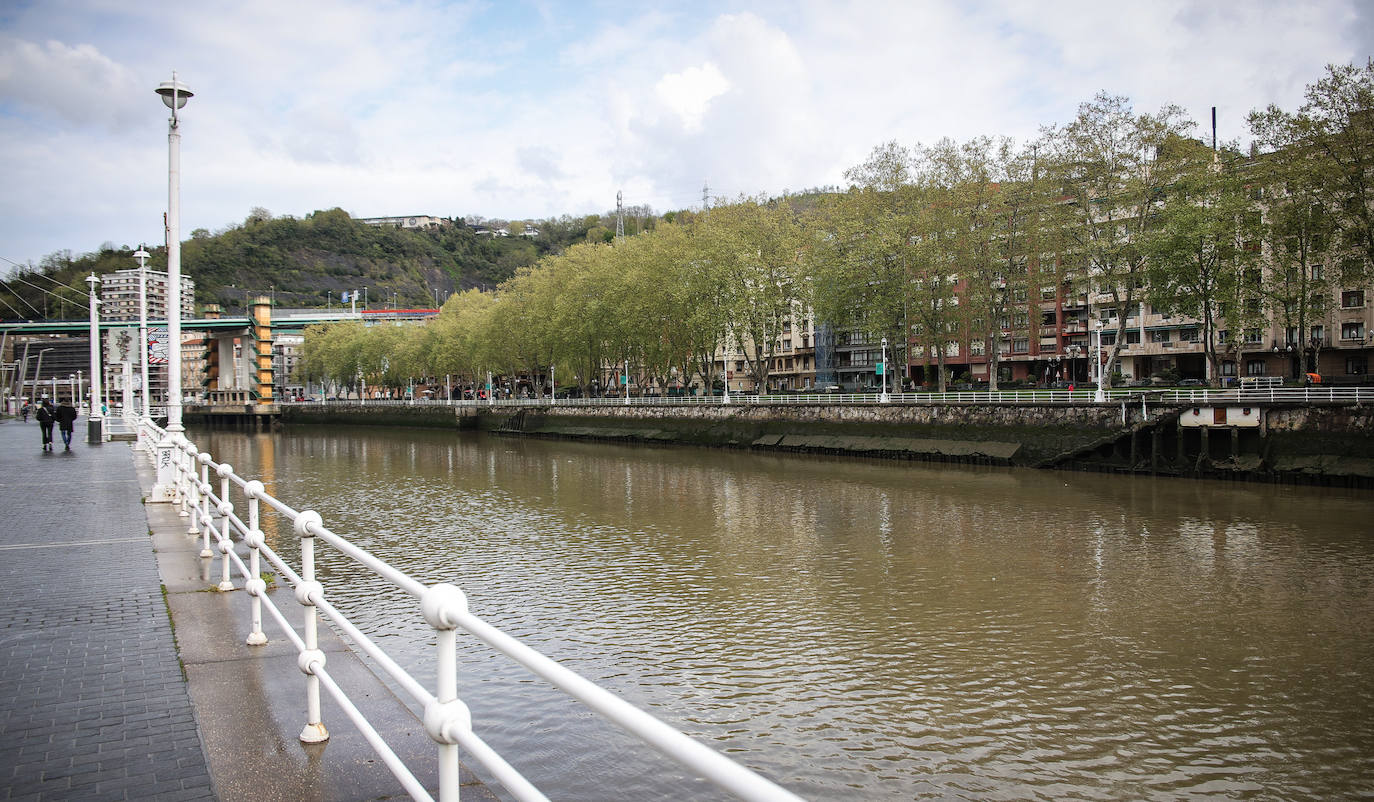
{"x": 119, "y": 295}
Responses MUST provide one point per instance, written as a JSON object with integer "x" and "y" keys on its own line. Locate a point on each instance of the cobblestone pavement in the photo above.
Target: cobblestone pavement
{"x": 93, "y": 700}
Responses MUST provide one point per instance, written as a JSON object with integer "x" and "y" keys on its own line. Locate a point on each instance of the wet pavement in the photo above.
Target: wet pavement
{"x": 124, "y": 675}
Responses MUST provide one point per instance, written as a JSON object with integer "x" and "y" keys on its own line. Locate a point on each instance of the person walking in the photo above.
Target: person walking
{"x": 45, "y": 421}
{"x": 66, "y": 416}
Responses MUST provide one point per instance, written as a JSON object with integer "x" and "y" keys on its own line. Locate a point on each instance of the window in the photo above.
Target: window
{"x": 1020, "y": 346}
{"x": 1228, "y": 368}
{"x": 1108, "y": 338}
{"x": 1159, "y": 337}
{"x": 1253, "y": 336}
{"x": 1224, "y": 336}
{"x": 1352, "y": 331}
{"x": 1187, "y": 335}
{"x": 1254, "y": 367}
{"x": 1133, "y": 337}
{"x": 1351, "y": 299}
{"x": 1318, "y": 335}
{"x": 1356, "y": 366}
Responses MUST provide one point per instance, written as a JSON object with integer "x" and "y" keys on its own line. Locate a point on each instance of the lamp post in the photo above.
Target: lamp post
{"x": 883, "y": 397}
{"x": 144, "y": 392}
{"x": 174, "y": 95}
{"x": 95, "y": 421}
{"x": 1098, "y": 396}
{"x": 37, "y": 376}
{"x": 23, "y": 373}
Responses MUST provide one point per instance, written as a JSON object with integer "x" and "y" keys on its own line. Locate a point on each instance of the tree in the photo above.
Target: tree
{"x": 993, "y": 194}
{"x": 1202, "y": 247}
{"x": 755, "y": 246}
{"x": 1110, "y": 164}
{"x": 1330, "y": 140}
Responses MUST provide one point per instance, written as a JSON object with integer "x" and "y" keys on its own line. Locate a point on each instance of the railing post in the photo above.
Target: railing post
{"x": 256, "y": 585}
{"x": 165, "y": 460}
{"x": 307, "y": 592}
{"x": 446, "y": 717}
{"x": 225, "y": 508}
{"x": 203, "y": 497}
{"x": 187, "y": 486}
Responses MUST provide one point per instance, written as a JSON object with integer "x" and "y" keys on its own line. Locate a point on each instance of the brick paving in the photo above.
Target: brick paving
{"x": 93, "y": 700}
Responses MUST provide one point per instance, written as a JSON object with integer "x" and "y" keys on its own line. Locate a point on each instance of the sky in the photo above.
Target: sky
{"x": 528, "y": 110}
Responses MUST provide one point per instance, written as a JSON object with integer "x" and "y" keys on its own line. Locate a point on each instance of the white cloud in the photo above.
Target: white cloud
{"x": 76, "y": 83}
{"x": 690, "y": 92}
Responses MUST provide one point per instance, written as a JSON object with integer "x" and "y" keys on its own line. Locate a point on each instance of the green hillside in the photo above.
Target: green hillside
{"x": 310, "y": 261}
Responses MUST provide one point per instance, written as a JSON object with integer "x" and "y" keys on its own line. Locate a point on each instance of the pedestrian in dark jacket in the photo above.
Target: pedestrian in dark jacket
{"x": 66, "y": 416}
{"x": 45, "y": 421}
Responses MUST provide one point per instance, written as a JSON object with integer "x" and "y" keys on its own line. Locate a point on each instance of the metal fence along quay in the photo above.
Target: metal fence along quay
{"x": 1169, "y": 396}
{"x": 223, "y": 508}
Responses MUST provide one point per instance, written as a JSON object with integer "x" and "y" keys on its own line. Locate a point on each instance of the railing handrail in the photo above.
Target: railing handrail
{"x": 214, "y": 516}
{"x": 1315, "y": 394}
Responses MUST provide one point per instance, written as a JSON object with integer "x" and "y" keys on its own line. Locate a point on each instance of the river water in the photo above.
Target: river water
{"x": 867, "y": 630}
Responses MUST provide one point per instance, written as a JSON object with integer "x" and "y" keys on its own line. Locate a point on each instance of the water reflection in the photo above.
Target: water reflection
{"x": 866, "y": 630}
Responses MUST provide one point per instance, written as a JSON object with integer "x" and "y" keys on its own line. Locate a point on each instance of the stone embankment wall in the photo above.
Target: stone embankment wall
{"x": 1330, "y": 444}
{"x": 1022, "y": 435}
{"x": 1319, "y": 444}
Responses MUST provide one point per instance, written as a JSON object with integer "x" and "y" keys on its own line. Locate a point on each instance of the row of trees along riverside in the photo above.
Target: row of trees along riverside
{"x": 934, "y": 246}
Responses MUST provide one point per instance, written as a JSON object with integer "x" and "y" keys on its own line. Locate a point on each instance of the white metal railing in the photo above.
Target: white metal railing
{"x": 1315, "y": 394}
{"x": 215, "y": 517}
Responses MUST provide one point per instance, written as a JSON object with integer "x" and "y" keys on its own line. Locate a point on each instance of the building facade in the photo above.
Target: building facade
{"x": 119, "y": 295}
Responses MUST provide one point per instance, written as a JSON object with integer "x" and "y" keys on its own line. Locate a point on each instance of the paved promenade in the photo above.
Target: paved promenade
{"x": 103, "y": 697}
{"x": 93, "y": 704}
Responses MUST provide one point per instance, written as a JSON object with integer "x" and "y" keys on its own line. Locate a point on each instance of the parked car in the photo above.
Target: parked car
{"x": 1191, "y": 383}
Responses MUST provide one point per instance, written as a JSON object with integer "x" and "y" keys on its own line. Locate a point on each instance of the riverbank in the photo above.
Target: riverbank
{"x": 1329, "y": 444}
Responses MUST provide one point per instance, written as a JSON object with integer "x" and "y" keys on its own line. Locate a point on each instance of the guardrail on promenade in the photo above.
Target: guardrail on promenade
{"x": 1175, "y": 396}
{"x": 219, "y": 520}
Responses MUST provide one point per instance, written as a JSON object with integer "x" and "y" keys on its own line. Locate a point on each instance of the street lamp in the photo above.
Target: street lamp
{"x": 1098, "y": 396}
{"x": 142, "y": 256}
{"x": 37, "y": 376}
{"x": 174, "y": 94}
{"x": 95, "y": 422}
{"x": 883, "y": 397}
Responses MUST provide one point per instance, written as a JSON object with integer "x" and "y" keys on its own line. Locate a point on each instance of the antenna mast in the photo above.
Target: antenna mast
{"x": 619, "y": 217}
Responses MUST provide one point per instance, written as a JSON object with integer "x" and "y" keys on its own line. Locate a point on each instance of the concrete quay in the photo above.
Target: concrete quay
{"x": 124, "y": 675}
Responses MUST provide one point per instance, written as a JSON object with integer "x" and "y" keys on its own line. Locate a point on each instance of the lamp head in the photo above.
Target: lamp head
{"x": 142, "y": 256}
{"x": 174, "y": 93}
